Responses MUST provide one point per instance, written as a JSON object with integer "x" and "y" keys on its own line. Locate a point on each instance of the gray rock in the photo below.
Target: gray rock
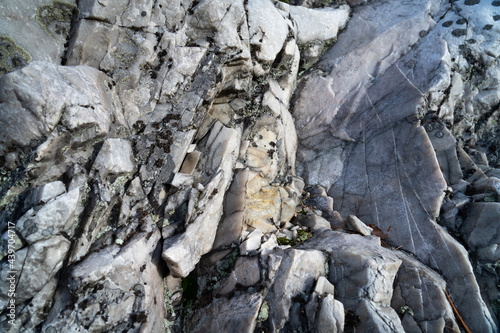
{"x": 40, "y": 111}
{"x": 55, "y": 217}
{"x": 48, "y": 23}
{"x": 307, "y": 266}
{"x": 420, "y": 295}
{"x": 315, "y": 222}
{"x": 480, "y": 230}
{"x": 231, "y": 224}
{"x": 363, "y": 273}
{"x": 44, "y": 193}
{"x": 252, "y": 242}
{"x": 330, "y": 316}
{"x": 127, "y": 283}
{"x": 35, "y": 266}
{"x": 238, "y": 314}
{"x": 355, "y": 224}
{"x": 115, "y": 158}
{"x": 177, "y": 116}
{"x": 323, "y": 287}
{"x": 367, "y": 137}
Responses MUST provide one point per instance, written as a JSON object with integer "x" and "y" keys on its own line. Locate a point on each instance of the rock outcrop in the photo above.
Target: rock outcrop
{"x": 242, "y": 166}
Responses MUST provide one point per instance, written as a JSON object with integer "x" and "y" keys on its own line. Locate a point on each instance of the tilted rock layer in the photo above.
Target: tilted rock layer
{"x": 257, "y": 165}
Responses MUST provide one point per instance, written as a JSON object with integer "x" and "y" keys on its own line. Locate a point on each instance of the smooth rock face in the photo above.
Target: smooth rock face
{"x": 241, "y": 166}
{"x": 367, "y": 114}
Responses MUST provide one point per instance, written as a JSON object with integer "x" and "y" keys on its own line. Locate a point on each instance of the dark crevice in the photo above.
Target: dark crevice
{"x": 73, "y": 33}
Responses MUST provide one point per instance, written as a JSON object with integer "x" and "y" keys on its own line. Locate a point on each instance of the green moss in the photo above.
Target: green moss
{"x": 302, "y": 236}
{"x": 405, "y": 309}
{"x": 12, "y": 56}
{"x": 263, "y": 312}
{"x": 284, "y": 241}
{"x": 56, "y": 11}
{"x": 225, "y": 266}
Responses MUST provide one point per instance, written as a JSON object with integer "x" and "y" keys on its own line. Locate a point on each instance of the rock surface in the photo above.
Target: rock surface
{"x": 249, "y": 166}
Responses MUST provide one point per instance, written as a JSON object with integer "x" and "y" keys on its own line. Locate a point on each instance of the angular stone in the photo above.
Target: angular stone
{"x": 126, "y": 279}
{"x": 323, "y": 287}
{"x": 363, "y": 273}
{"x": 252, "y": 242}
{"x": 307, "y": 266}
{"x": 355, "y": 224}
{"x": 330, "y": 316}
{"x": 43, "y": 261}
{"x": 231, "y": 224}
{"x": 315, "y": 222}
{"x": 182, "y": 252}
{"x": 57, "y": 216}
{"x": 44, "y": 193}
{"x": 267, "y": 27}
{"x": 317, "y": 24}
{"x": 247, "y": 271}
{"x": 420, "y": 292}
{"x": 42, "y": 96}
{"x": 10, "y": 283}
{"x": 262, "y": 210}
{"x": 238, "y": 314}
{"x": 115, "y": 158}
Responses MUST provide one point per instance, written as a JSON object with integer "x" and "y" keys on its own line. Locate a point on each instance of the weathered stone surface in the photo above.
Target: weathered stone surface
{"x": 231, "y": 224}
{"x": 239, "y": 313}
{"x": 306, "y": 266}
{"x": 221, "y": 151}
{"x": 419, "y": 295}
{"x": 330, "y": 316}
{"x": 355, "y": 224}
{"x": 57, "y": 216}
{"x": 115, "y": 158}
{"x": 268, "y": 29}
{"x": 480, "y": 230}
{"x": 37, "y": 30}
{"x": 38, "y": 264}
{"x": 173, "y": 131}
{"x": 127, "y": 283}
{"x": 372, "y": 129}
{"x": 363, "y": 274}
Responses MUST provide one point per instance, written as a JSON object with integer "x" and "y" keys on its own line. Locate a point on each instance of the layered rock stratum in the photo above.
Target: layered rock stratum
{"x": 249, "y": 166}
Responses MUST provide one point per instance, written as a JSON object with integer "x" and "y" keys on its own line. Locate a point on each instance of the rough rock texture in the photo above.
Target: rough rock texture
{"x": 249, "y": 166}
